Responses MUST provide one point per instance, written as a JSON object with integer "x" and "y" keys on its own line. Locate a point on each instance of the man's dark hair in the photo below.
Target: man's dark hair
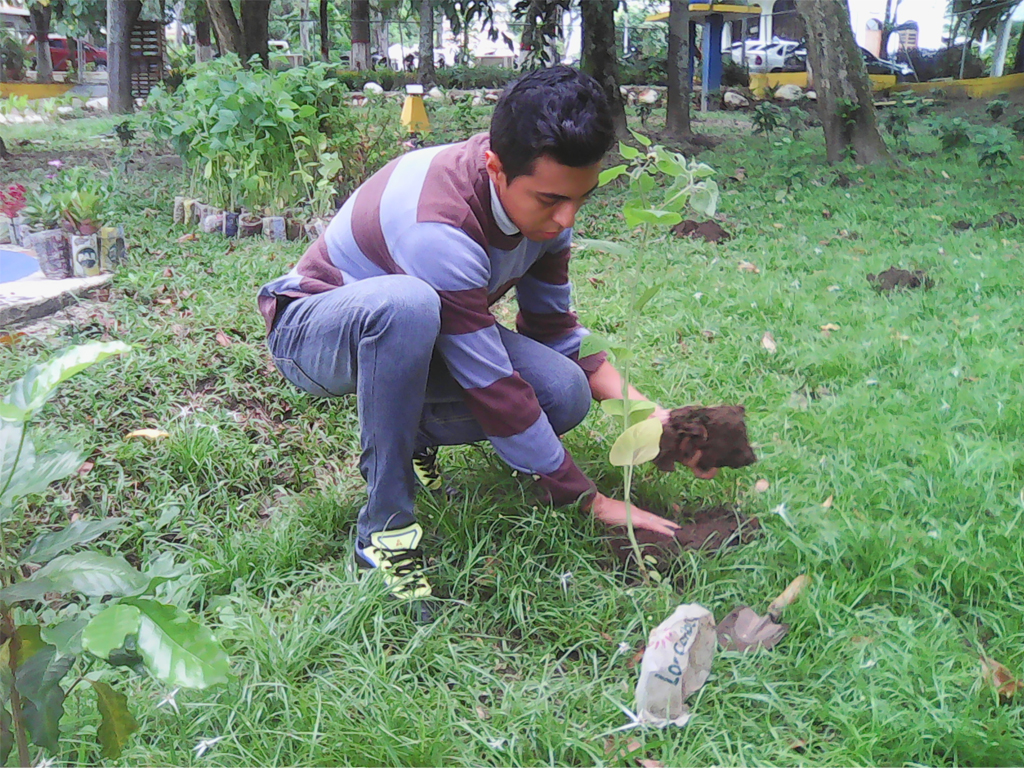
{"x": 559, "y": 112}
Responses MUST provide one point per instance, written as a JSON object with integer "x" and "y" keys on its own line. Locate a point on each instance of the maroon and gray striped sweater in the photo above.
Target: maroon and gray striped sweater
{"x": 433, "y": 214}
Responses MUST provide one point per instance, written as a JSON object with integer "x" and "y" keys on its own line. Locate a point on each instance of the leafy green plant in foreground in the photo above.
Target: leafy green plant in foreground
{"x": 685, "y": 183}
{"x": 767, "y": 118}
{"x": 132, "y": 629}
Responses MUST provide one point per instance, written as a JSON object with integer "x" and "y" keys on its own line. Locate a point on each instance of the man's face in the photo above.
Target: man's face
{"x": 545, "y": 202}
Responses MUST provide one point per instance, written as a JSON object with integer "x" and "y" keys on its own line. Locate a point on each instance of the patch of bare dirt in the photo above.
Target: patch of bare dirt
{"x": 24, "y": 159}
{"x": 708, "y": 231}
{"x": 894, "y": 279}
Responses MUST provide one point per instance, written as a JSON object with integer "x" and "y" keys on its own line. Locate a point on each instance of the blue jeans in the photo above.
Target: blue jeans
{"x": 375, "y": 338}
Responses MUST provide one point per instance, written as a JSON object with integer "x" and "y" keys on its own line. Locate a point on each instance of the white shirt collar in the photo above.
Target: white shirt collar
{"x": 504, "y": 222}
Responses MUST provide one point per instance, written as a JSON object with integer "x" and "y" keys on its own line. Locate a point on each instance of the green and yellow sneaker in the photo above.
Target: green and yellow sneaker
{"x": 424, "y": 464}
{"x": 397, "y": 555}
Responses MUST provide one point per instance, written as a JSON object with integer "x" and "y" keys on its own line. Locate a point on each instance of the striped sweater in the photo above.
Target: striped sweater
{"x": 433, "y": 214}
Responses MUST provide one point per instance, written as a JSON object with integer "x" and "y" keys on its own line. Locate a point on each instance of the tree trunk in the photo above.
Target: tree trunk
{"x": 677, "y": 117}
{"x": 1018, "y": 61}
{"x": 121, "y": 17}
{"x": 304, "y": 27}
{"x": 841, "y": 82}
{"x": 40, "y": 15}
{"x": 380, "y": 34}
{"x": 204, "y": 44}
{"x": 325, "y": 30}
{"x": 599, "y": 55}
{"x": 1002, "y": 45}
{"x": 229, "y": 33}
{"x": 427, "y": 74}
{"x": 360, "y": 34}
{"x": 255, "y": 29}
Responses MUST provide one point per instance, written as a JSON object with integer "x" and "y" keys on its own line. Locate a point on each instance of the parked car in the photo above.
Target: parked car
{"x": 797, "y": 62}
{"x": 737, "y": 50}
{"x": 772, "y": 57}
{"x": 62, "y": 55}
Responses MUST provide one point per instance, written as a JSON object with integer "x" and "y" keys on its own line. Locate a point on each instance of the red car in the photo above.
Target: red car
{"x": 61, "y": 53}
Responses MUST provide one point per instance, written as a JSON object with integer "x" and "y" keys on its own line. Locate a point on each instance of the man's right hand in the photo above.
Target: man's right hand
{"x": 612, "y": 512}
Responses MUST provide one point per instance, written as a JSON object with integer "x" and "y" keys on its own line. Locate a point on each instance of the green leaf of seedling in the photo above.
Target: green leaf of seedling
{"x": 620, "y": 354}
{"x": 117, "y": 724}
{"x": 638, "y": 409}
{"x": 669, "y": 166}
{"x": 87, "y": 573}
{"x": 66, "y": 637}
{"x": 635, "y": 216}
{"x": 641, "y": 138}
{"x": 32, "y": 472}
{"x": 704, "y": 199}
{"x": 628, "y": 152}
{"x": 646, "y": 296}
{"x": 638, "y": 444}
{"x": 702, "y": 171}
{"x": 37, "y": 673}
{"x": 646, "y": 183}
{"x": 178, "y": 651}
{"x": 32, "y": 390}
{"x": 607, "y": 246}
{"x": 611, "y": 174}
{"x": 594, "y": 343}
{"x": 107, "y": 630}
{"x": 6, "y": 736}
{"x": 49, "y": 545}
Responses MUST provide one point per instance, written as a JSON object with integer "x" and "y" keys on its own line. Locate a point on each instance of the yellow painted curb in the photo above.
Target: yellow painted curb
{"x": 774, "y": 79}
{"x": 35, "y": 90}
{"x": 975, "y": 88}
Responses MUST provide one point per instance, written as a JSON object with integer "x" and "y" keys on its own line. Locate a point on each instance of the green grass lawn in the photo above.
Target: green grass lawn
{"x": 891, "y": 444}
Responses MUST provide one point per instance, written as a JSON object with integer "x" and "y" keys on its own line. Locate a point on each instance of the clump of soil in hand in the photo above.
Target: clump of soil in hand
{"x": 719, "y": 434}
{"x": 709, "y": 231}
{"x": 900, "y": 279}
{"x": 707, "y": 530}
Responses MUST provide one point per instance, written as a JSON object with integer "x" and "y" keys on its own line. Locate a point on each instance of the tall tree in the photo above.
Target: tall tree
{"x": 325, "y": 30}
{"x": 360, "y": 34}
{"x": 542, "y": 27}
{"x": 427, "y": 75}
{"x": 41, "y": 14}
{"x": 677, "y": 116}
{"x": 244, "y": 34}
{"x": 462, "y": 15}
{"x": 599, "y": 55}
{"x": 121, "y": 18}
{"x": 845, "y": 106}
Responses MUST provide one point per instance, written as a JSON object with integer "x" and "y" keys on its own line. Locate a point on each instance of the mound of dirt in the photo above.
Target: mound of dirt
{"x": 707, "y": 530}
{"x": 708, "y": 231}
{"x": 719, "y": 434}
{"x": 900, "y": 279}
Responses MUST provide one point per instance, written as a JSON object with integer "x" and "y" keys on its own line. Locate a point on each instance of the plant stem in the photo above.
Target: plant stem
{"x": 7, "y": 629}
{"x": 7, "y": 484}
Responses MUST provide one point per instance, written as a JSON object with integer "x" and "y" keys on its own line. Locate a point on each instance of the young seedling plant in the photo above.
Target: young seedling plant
{"x": 662, "y": 184}
{"x": 40, "y": 643}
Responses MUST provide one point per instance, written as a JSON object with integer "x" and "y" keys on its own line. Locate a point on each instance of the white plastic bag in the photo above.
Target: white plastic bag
{"x": 676, "y": 664}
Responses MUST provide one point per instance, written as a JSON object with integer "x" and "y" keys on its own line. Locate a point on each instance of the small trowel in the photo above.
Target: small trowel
{"x": 743, "y": 629}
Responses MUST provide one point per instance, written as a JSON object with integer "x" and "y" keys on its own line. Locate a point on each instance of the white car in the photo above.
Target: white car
{"x": 772, "y": 57}
{"x": 737, "y": 49}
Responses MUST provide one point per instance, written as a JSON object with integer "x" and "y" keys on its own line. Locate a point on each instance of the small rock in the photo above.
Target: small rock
{"x": 734, "y": 101}
{"x": 97, "y": 105}
{"x": 478, "y": 101}
{"x": 435, "y": 93}
{"x": 65, "y": 110}
{"x": 811, "y": 95}
{"x": 648, "y": 96}
{"x": 373, "y": 88}
{"x": 492, "y": 95}
{"x": 789, "y": 92}
{"x": 359, "y": 100}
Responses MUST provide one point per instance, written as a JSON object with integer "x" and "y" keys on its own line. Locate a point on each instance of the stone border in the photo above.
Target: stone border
{"x": 33, "y": 297}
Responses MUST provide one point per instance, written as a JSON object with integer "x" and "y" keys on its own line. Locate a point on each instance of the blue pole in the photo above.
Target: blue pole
{"x": 711, "y": 82}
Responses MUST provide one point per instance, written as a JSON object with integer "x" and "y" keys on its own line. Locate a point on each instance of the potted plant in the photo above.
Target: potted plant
{"x": 43, "y": 212}
{"x": 12, "y": 201}
{"x": 81, "y": 217}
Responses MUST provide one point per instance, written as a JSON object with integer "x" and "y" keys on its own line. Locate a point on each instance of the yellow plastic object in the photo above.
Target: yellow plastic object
{"x": 414, "y": 114}
{"x": 35, "y": 90}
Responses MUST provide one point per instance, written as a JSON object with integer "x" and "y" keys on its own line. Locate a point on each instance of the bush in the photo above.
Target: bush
{"x": 272, "y": 140}
{"x": 945, "y": 62}
{"x": 469, "y": 78}
{"x": 644, "y": 71}
{"x": 733, "y": 74}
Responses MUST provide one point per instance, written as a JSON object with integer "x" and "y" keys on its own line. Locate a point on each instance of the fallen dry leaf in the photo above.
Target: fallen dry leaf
{"x": 999, "y": 677}
{"x": 830, "y": 327}
{"x": 632, "y": 746}
{"x": 826, "y": 214}
{"x": 606, "y": 637}
{"x": 168, "y": 272}
{"x": 149, "y": 434}
{"x": 777, "y": 225}
{"x": 222, "y": 339}
{"x": 645, "y": 763}
{"x": 708, "y": 335}
{"x": 945, "y": 175}
{"x": 798, "y": 745}
{"x": 86, "y": 467}
{"x": 746, "y": 266}
{"x": 768, "y": 342}
{"x": 762, "y": 485}
{"x": 10, "y": 339}
{"x": 482, "y": 712}
{"x": 827, "y": 502}
{"x": 188, "y": 237}
{"x": 741, "y": 174}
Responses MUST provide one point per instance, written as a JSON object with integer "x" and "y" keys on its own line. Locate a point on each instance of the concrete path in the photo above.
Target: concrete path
{"x": 33, "y": 297}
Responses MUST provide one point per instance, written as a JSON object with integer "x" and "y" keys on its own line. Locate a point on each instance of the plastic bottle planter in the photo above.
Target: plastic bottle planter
{"x": 213, "y": 221}
{"x": 293, "y": 229}
{"x": 230, "y": 228}
{"x": 315, "y": 227}
{"x": 249, "y": 225}
{"x": 188, "y": 206}
{"x": 179, "y": 209}
{"x": 53, "y": 252}
{"x": 111, "y": 248}
{"x": 85, "y": 257}
{"x": 18, "y": 229}
{"x": 274, "y": 228}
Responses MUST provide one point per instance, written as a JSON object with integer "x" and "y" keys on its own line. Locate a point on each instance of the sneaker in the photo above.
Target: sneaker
{"x": 397, "y": 555}
{"x": 424, "y": 464}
